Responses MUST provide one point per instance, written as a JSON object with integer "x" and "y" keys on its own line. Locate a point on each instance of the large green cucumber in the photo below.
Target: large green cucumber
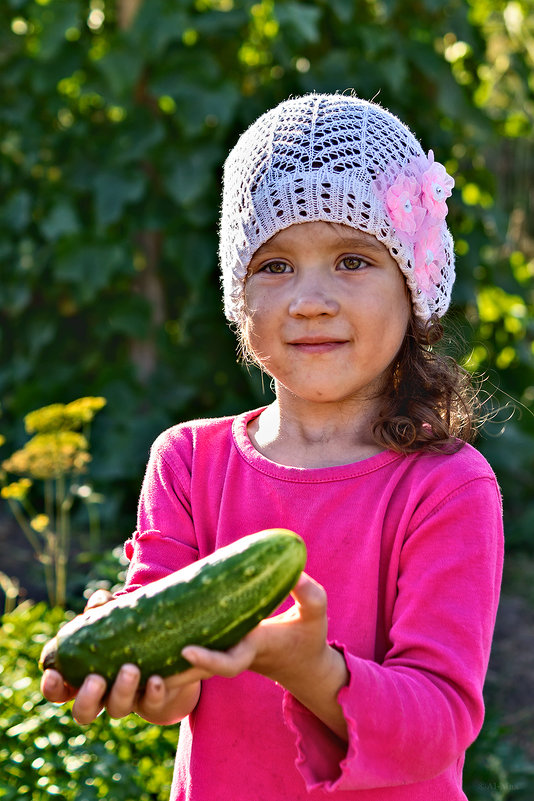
{"x": 213, "y": 602}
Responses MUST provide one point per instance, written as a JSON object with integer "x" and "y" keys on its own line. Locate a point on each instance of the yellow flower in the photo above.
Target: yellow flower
{"x": 2, "y": 439}
{"x": 17, "y": 490}
{"x": 50, "y": 455}
{"x": 63, "y": 417}
{"x": 48, "y": 418}
{"x": 83, "y": 410}
{"x": 40, "y": 523}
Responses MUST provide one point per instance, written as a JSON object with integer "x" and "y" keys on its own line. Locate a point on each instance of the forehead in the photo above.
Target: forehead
{"x": 329, "y": 233}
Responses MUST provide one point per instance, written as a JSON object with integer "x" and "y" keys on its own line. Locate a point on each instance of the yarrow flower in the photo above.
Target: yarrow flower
{"x": 63, "y": 417}
{"x": 416, "y": 201}
{"x": 50, "y": 455}
{"x": 17, "y": 490}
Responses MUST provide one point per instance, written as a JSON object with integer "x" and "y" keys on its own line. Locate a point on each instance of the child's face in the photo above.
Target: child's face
{"x": 326, "y": 311}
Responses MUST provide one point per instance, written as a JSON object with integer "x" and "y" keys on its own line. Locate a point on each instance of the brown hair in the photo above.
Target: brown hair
{"x": 430, "y": 403}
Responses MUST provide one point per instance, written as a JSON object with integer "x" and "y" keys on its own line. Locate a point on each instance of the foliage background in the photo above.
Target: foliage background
{"x": 115, "y": 119}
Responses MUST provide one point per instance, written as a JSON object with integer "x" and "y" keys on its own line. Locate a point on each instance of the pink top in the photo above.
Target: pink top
{"x": 409, "y": 549}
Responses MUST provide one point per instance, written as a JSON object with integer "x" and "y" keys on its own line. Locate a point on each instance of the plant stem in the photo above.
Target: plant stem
{"x": 94, "y": 527}
{"x": 63, "y": 518}
{"x": 26, "y": 528}
{"x": 49, "y": 501}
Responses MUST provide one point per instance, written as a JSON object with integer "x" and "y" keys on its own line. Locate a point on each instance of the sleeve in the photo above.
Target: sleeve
{"x": 415, "y": 714}
{"x": 165, "y": 538}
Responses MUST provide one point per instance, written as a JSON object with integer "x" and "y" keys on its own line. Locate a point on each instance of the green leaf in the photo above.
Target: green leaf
{"x": 56, "y": 19}
{"x": 155, "y": 27}
{"x": 132, "y": 317}
{"x": 89, "y": 268}
{"x": 299, "y": 19}
{"x": 60, "y": 221}
{"x": 113, "y": 191}
{"x": 136, "y": 139}
{"x": 121, "y": 68}
{"x": 190, "y": 175}
{"x": 16, "y": 213}
{"x": 343, "y": 9}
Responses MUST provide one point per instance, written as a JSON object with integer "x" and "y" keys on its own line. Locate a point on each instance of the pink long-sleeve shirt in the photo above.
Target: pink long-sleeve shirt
{"x": 409, "y": 550}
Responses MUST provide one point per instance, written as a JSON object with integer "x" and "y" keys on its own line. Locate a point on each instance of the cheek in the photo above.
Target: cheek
{"x": 250, "y": 340}
{"x": 399, "y": 306}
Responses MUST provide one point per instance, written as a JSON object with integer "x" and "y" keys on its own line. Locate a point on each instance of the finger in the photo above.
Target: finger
{"x": 122, "y": 696}
{"x": 89, "y": 701}
{"x": 153, "y": 698}
{"x": 54, "y": 688}
{"x": 310, "y": 596}
{"x": 190, "y": 676}
{"x": 99, "y": 598}
{"x": 221, "y": 663}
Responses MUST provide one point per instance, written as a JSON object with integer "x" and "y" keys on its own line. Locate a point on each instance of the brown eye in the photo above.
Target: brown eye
{"x": 352, "y": 263}
{"x": 276, "y": 267}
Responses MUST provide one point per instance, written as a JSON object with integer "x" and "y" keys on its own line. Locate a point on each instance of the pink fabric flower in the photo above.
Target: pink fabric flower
{"x": 436, "y": 187}
{"x": 416, "y": 201}
{"x": 404, "y": 205}
{"x": 429, "y": 255}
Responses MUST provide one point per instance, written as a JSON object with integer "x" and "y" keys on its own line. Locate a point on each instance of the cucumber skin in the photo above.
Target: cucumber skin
{"x": 213, "y": 602}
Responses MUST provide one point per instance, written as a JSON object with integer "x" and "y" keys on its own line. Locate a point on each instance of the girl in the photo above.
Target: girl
{"x": 337, "y": 265}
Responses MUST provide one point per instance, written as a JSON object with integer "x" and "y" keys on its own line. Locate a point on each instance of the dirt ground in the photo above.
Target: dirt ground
{"x": 510, "y": 680}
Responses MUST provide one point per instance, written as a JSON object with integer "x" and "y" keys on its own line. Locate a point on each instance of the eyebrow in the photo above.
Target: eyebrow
{"x": 362, "y": 239}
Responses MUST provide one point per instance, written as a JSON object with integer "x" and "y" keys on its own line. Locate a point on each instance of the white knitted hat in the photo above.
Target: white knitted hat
{"x": 339, "y": 159}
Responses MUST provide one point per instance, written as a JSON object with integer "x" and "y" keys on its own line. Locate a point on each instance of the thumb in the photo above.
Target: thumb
{"x": 310, "y": 596}
{"x": 99, "y": 598}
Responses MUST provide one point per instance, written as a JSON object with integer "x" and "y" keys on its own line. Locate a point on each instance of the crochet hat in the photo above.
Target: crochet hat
{"x": 339, "y": 159}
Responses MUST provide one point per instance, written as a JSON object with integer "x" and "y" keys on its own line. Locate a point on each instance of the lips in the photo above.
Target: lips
{"x": 317, "y": 344}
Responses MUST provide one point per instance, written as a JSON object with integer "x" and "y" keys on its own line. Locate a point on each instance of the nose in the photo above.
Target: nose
{"x": 313, "y": 297}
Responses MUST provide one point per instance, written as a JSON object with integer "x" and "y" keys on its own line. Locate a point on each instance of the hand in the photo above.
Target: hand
{"x": 286, "y": 642}
{"x": 290, "y": 648}
{"x": 53, "y": 687}
{"x": 161, "y": 702}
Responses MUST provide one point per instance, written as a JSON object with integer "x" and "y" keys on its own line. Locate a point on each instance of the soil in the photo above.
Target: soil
{"x": 510, "y": 679}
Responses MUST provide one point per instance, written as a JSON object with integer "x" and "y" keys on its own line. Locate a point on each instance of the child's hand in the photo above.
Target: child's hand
{"x": 162, "y": 701}
{"x": 277, "y": 645}
{"x": 53, "y": 686}
{"x": 291, "y": 649}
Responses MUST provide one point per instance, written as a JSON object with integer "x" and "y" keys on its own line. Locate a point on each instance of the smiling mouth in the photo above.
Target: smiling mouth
{"x": 317, "y": 345}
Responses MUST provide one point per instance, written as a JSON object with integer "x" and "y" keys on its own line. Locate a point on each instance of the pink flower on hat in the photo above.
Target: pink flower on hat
{"x": 404, "y": 205}
{"x": 415, "y": 197}
{"x": 429, "y": 255}
{"x": 436, "y": 187}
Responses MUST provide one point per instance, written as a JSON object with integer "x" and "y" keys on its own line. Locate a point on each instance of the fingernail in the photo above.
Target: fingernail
{"x": 93, "y": 683}
{"x": 52, "y": 681}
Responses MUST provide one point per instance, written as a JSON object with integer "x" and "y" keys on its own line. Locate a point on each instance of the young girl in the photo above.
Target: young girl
{"x": 337, "y": 265}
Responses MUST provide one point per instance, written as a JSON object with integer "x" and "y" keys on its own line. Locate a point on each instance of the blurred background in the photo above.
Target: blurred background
{"x": 115, "y": 119}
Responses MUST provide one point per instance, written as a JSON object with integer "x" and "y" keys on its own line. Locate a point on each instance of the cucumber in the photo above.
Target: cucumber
{"x": 213, "y": 602}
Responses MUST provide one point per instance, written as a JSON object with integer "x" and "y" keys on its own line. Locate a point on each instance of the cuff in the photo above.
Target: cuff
{"x": 323, "y": 759}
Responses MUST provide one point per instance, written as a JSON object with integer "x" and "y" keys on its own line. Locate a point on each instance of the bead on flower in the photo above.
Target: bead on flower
{"x": 404, "y": 205}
